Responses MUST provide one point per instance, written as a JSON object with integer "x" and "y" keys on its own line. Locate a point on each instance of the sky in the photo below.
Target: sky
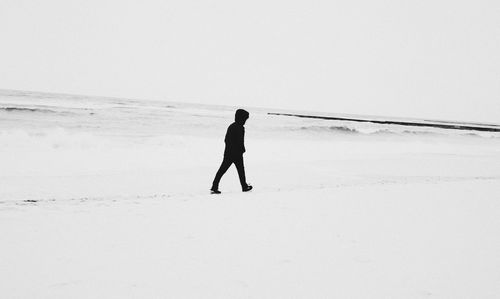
{"x": 428, "y": 59}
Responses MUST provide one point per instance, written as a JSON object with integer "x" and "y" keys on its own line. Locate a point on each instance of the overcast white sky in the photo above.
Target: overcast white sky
{"x": 422, "y": 58}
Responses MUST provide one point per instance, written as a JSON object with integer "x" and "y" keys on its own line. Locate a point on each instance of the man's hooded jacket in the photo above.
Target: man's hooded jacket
{"x": 235, "y": 135}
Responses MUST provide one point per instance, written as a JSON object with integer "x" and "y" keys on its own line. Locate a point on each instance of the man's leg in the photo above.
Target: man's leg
{"x": 238, "y": 162}
{"x": 226, "y": 163}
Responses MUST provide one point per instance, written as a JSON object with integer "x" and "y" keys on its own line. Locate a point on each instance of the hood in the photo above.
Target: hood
{"x": 241, "y": 116}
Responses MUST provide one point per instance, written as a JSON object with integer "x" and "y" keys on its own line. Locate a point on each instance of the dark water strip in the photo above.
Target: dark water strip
{"x": 395, "y": 122}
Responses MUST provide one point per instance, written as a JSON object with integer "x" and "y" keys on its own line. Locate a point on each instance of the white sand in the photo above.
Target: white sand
{"x": 348, "y": 219}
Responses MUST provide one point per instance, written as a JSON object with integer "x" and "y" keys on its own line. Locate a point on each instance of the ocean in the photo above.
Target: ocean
{"x": 45, "y": 115}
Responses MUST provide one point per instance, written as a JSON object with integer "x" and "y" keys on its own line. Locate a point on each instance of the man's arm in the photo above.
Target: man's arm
{"x": 235, "y": 139}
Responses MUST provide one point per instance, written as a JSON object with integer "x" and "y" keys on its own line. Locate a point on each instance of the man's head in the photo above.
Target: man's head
{"x": 241, "y": 116}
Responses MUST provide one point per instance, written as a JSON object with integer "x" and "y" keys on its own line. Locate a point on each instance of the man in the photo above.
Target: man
{"x": 233, "y": 153}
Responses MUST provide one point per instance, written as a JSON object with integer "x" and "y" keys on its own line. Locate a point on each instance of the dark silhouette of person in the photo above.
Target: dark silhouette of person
{"x": 233, "y": 152}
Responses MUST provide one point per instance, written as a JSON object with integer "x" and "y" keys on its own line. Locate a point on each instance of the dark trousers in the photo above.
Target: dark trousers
{"x": 226, "y": 163}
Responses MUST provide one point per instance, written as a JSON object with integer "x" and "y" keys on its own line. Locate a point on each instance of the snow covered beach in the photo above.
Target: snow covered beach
{"x": 108, "y": 198}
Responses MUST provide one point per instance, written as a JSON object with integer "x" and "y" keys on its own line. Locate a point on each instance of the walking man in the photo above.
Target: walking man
{"x": 233, "y": 153}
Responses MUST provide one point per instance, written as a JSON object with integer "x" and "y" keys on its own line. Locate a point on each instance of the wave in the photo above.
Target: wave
{"x": 371, "y": 131}
{"x": 24, "y": 109}
{"x": 55, "y": 138}
{"x": 340, "y": 129}
{"x": 348, "y": 130}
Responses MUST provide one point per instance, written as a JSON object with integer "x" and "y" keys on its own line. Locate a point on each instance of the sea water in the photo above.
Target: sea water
{"x": 40, "y": 115}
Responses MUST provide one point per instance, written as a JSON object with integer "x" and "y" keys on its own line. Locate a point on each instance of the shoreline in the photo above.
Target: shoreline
{"x": 482, "y": 128}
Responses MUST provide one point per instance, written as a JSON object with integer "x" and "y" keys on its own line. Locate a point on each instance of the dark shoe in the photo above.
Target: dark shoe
{"x": 214, "y": 191}
{"x": 247, "y": 188}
